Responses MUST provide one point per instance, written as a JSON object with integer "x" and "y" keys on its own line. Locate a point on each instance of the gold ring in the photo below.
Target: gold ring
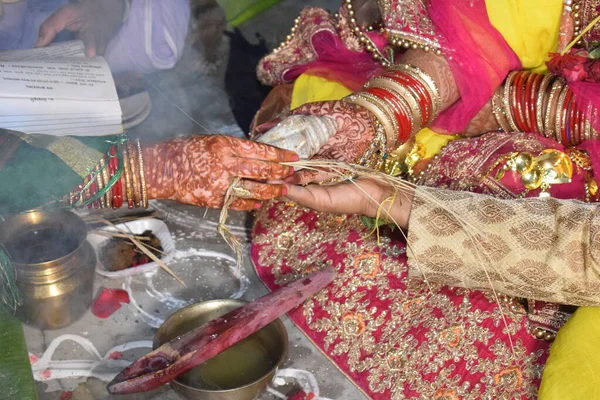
{"x": 240, "y": 191}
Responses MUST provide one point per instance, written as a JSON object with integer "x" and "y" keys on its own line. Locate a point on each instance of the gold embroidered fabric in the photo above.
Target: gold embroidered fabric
{"x": 394, "y": 337}
{"x": 79, "y": 157}
{"x": 538, "y": 248}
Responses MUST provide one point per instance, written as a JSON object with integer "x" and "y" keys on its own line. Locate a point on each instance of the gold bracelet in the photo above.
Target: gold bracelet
{"x": 142, "y": 178}
{"x": 401, "y": 93}
{"x": 506, "y": 100}
{"x": 498, "y": 111}
{"x": 106, "y": 176}
{"x": 380, "y": 112}
{"x": 369, "y": 158}
{"x": 392, "y": 139}
{"x": 428, "y": 82}
{"x": 539, "y": 104}
{"x": 560, "y": 115}
{"x": 137, "y": 198}
{"x": 100, "y": 182}
{"x": 127, "y": 177}
{"x": 548, "y": 127}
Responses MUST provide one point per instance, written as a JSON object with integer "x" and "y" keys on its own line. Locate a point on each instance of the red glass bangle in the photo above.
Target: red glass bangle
{"x": 517, "y": 101}
{"x": 580, "y": 127}
{"x": 533, "y": 94}
{"x": 565, "y": 128}
{"x": 117, "y": 191}
{"x": 93, "y": 191}
{"x": 572, "y": 121}
{"x": 418, "y": 93}
{"x": 399, "y": 112}
{"x": 423, "y": 96}
{"x": 526, "y": 102}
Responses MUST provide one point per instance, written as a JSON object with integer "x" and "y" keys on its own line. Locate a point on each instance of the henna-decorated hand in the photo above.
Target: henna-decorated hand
{"x": 198, "y": 170}
{"x": 355, "y": 133}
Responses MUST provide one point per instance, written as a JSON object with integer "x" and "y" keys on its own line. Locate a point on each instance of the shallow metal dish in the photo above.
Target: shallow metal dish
{"x": 241, "y": 372}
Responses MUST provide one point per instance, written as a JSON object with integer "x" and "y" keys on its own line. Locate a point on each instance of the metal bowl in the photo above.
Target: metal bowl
{"x": 54, "y": 265}
{"x": 241, "y": 372}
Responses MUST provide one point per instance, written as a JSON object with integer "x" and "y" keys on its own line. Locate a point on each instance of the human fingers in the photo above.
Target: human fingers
{"x": 56, "y": 23}
{"x": 260, "y": 170}
{"x": 306, "y": 176}
{"x": 339, "y": 199}
{"x": 89, "y": 39}
{"x": 267, "y": 126}
{"x": 254, "y": 150}
{"x": 258, "y": 190}
{"x": 245, "y": 204}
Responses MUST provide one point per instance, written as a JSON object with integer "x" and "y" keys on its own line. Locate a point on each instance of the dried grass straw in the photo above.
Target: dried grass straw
{"x": 401, "y": 189}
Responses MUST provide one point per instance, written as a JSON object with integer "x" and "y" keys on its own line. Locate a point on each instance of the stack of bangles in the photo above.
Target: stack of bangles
{"x": 543, "y": 104}
{"x": 118, "y": 177}
{"x": 403, "y": 100}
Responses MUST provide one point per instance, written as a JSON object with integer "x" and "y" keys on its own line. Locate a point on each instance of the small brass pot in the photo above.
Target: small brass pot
{"x": 54, "y": 265}
{"x": 241, "y": 372}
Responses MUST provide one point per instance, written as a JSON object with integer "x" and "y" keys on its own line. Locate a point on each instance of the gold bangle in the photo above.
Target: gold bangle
{"x": 127, "y": 176}
{"x": 380, "y": 112}
{"x": 429, "y": 84}
{"x": 548, "y": 127}
{"x": 403, "y": 94}
{"x": 506, "y": 98}
{"x": 134, "y": 175}
{"x": 369, "y": 158}
{"x": 539, "y": 103}
{"x": 498, "y": 111}
{"x": 106, "y": 176}
{"x": 142, "y": 178}
{"x": 377, "y": 102}
{"x": 100, "y": 181}
{"x": 560, "y": 115}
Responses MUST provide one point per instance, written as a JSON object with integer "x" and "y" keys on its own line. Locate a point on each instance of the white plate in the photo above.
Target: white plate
{"x": 141, "y": 117}
{"x": 134, "y": 105}
{"x": 157, "y": 227}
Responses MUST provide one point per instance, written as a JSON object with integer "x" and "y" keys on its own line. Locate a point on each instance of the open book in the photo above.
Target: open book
{"x": 56, "y": 90}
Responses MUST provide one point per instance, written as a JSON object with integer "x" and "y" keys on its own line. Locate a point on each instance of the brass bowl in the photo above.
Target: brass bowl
{"x": 54, "y": 266}
{"x": 241, "y": 372}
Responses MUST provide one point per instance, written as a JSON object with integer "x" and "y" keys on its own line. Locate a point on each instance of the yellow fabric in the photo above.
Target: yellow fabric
{"x": 573, "y": 368}
{"x": 530, "y": 27}
{"x": 433, "y": 142}
{"x": 310, "y": 88}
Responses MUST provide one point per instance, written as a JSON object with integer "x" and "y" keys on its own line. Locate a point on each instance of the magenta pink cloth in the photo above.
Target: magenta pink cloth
{"x": 477, "y": 53}
{"x": 335, "y": 62}
{"x": 587, "y": 96}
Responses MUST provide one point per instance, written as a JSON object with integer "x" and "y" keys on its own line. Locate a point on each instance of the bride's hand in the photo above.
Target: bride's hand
{"x": 363, "y": 197}
{"x": 198, "y": 170}
{"x": 355, "y": 133}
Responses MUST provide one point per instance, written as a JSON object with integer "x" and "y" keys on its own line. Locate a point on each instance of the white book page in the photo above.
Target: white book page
{"x": 49, "y": 106}
{"x": 91, "y": 131}
{"x": 65, "y": 79}
{"x": 70, "y": 49}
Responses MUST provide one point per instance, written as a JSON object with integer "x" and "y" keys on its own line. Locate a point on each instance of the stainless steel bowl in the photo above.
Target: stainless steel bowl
{"x": 241, "y": 372}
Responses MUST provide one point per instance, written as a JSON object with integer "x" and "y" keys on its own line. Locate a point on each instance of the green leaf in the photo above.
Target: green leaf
{"x": 239, "y": 11}
{"x": 16, "y": 377}
{"x": 595, "y": 52}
